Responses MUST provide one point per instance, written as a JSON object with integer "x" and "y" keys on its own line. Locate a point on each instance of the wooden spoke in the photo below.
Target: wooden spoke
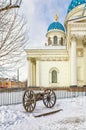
{"x": 29, "y": 101}
{"x": 49, "y": 98}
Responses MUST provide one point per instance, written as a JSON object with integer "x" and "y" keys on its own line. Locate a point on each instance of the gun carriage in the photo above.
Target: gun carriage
{"x": 30, "y": 98}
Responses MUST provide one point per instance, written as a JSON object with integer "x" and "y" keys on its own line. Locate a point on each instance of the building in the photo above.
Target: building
{"x": 62, "y": 60}
{"x": 9, "y": 83}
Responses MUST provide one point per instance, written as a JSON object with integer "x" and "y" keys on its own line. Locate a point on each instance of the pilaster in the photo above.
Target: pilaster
{"x": 84, "y": 43}
{"x": 73, "y": 62}
{"x": 38, "y": 73}
{"x": 29, "y": 73}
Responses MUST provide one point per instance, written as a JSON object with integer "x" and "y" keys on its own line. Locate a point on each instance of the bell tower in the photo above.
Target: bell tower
{"x": 55, "y": 33}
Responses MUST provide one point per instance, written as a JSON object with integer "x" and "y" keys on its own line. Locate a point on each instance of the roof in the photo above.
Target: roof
{"x": 56, "y": 26}
{"x": 75, "y": 3}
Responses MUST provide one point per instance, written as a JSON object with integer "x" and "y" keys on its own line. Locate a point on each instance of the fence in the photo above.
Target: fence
{"x": 14, "y": 96}
{"x": 11, "y": 96}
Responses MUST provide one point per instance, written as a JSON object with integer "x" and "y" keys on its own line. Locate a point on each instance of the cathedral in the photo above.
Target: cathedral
{"x": 61, "y": 61}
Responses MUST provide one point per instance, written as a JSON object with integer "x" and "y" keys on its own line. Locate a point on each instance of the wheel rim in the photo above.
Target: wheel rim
{"x": 49, "y": 98}
{"x": 29, "y": 101}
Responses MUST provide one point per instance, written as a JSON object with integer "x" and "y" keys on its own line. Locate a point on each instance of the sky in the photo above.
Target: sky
{"x": 39, "y": 14}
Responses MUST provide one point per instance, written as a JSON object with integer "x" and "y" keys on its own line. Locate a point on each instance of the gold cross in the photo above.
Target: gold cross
{"x": 56, "y": 17}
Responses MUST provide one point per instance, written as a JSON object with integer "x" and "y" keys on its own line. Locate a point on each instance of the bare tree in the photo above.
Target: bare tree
{"x": 9, "y": 4}
{"x": 12, "y": 34}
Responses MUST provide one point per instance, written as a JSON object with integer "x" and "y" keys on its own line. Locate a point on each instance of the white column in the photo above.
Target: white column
{"x": 59, "y": 38}
{"x": 34, "y": 72}
{"x": 73, "y": 62}
{"x": 84, "y": 43}
{"x": 52, "y": 40}
{"x": 29, "y": 73}
{"x": 38, "y": 73}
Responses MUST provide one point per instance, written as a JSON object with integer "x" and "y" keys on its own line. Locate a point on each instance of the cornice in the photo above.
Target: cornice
{"x": 49, "y": 58}
{"x": 46, "y": 52}
{"x": 77, "y": 25}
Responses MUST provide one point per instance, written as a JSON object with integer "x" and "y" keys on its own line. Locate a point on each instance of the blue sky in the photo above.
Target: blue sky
{"x": 39, "y": 14}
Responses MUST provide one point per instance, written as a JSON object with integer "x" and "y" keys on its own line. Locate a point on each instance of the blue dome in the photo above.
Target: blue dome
{"x": 56, "y": 25}
{"x": 75, "y": 3}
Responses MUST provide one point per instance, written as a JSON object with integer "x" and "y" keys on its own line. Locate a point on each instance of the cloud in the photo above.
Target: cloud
{"x": 39, "y": 14}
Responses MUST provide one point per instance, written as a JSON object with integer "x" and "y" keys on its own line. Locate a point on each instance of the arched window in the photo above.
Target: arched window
{"x": 54, "y": 76}
{"x": 62, "y": 41}
{"x": 55, "y": 40}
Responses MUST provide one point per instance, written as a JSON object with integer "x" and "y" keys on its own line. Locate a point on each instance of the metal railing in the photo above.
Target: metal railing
{"x": 14, "y": 96}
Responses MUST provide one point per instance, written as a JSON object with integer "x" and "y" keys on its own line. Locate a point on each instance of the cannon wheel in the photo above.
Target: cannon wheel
{"x": 49, "y": 98}
{"x": 29, "y": 101}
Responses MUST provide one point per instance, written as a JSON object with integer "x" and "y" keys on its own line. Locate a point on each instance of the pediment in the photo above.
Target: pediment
{"x": 78, "y": 20}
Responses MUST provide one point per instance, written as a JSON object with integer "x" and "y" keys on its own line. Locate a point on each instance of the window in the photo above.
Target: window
{"x": 55, "y": 40}
{"x": 62, "y": 41}
{"x": 54, "y": 76}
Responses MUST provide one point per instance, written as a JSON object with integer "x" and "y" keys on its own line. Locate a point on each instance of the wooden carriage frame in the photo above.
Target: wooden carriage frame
{"x": 30, "y": 98}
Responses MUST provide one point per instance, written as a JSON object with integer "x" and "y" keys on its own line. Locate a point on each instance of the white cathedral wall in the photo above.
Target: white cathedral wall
{"x": 63, "y": 74}
{"x": 80, "y": 71}
{"x": 55, "y": 33}
{"x": 85, "y": 65}
{"x": 80, "y": 64}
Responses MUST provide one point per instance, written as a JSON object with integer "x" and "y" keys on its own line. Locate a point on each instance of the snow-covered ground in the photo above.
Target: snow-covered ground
{"x": 73, "y": 116}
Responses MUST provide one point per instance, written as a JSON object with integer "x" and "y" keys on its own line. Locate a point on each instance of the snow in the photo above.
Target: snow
{"x": 72, "y": 117}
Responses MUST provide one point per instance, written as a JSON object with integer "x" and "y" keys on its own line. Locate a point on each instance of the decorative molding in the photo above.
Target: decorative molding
{"x": 80, "y": 52}
{"x": 53, "y": 59}
{"x": 73, "y": 37}
{"x": 33, "y": 59}
{"x": 77, "y": 25}
{"x": 84, "y": 40}
{"x": 50, "y": 58}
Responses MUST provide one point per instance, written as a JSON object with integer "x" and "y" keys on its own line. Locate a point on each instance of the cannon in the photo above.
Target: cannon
{"x": 30, "y": 98}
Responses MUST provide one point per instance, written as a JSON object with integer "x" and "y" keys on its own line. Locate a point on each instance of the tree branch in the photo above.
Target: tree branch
{"x": 11, "y": 6}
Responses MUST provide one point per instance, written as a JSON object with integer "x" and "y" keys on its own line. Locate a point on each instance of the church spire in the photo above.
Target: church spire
{"x": 56, "y": 18}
